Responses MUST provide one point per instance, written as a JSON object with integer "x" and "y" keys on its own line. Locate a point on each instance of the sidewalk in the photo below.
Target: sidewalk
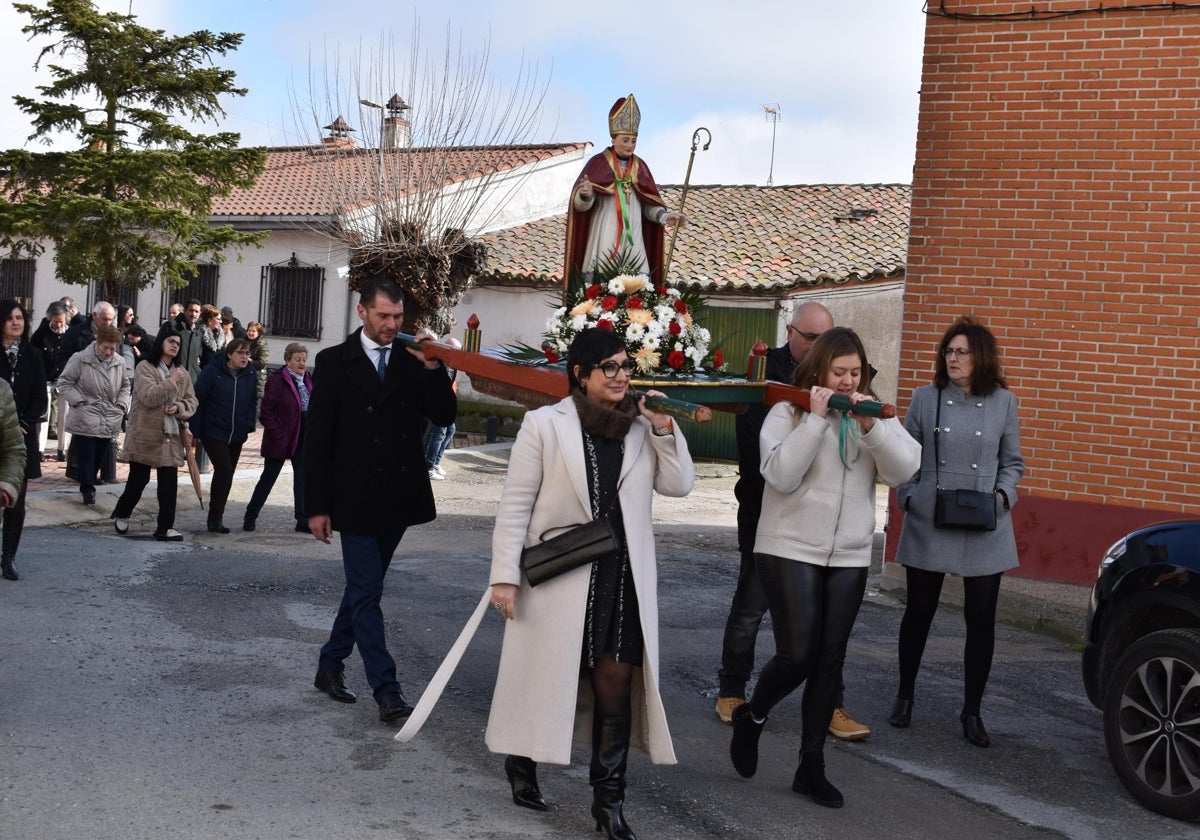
{"x": 1057, "y": 609}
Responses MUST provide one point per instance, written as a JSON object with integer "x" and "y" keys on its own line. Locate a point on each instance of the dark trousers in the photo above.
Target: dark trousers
{"x": 813, "y": 609}
{"x": 741, "y": 628}
{"x": 168, "y": 489}
{"x": 224, "y": 461}
{"x": 923, "y": 591}
{"x": 365, "y": 560}
{"x": 271, "y": 468}
{"x": 14, "y": 523}
{"x": 90, "y": 452}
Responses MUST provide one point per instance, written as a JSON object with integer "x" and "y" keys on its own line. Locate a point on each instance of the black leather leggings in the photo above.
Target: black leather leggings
{"x": 812, "y": 612}
{"x": 979, "y": 609}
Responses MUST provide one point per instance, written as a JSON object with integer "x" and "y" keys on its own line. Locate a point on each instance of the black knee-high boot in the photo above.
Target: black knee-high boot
{"x": 14, "y": 522}
{"x": 610, "y": 751}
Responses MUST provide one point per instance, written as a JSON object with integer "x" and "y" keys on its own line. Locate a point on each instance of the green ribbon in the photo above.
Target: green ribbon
{"x": 623, "y": 202}
{"x": 848, "y": 439}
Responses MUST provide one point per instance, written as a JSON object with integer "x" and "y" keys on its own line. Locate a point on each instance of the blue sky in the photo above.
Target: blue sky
{"x": 844, "y": 74}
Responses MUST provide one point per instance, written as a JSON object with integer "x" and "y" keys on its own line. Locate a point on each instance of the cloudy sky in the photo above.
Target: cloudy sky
{"x": 845, "y": 75}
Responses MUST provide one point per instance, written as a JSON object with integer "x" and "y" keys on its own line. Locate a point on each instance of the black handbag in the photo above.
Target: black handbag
{"x": 577, "y": 547}
{"x": 966, "y": 510}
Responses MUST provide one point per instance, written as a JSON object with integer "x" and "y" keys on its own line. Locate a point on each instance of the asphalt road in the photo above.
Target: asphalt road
{"x": 150, "y": 690}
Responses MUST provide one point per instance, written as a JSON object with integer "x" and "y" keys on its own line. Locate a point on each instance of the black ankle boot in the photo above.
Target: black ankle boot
{"x": 522, "y": 775}
{"x": 8, "y": 568}
{"x": 973, "y": 730}
{"x": 901, "y": 713}
{"x": 743, "y": 746}
{"x": 810, "y": 780}
{"x": 610, "y": 750}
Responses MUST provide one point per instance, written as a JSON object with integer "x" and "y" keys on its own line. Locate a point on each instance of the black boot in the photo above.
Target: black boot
{"x": 522, "y": 775}
{"x": 810, "y": 779}
{"x": 610, "y": 750}
{"x": 14, "y": 523}
{"x": 8, "y": 568}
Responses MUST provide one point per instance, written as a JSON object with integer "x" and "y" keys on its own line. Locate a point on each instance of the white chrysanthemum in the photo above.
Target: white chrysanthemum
{"x": 562, "y": 346}
{"x": 635, "y": 332}
{"x": 703, "y": 335}
{"x": 650, "y": 342}
{"x": 616, "y": 286}
{"x": 664, "y": 313}
{"x": 579, "y": 322}
{"x": 655, "y": 328}
{"x": 678, "y": 345}
{"x": 673, "y": 293}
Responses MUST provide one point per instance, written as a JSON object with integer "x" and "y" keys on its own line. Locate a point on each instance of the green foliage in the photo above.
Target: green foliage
{"x": 131, "y": 204}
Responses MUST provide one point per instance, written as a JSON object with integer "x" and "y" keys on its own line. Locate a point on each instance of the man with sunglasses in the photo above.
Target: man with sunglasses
{"x": 809, "y": 320}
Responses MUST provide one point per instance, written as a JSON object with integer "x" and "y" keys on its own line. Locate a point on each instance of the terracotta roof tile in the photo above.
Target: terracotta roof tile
{"x": 306, "y": 181}
{"x": 749, "y": 238}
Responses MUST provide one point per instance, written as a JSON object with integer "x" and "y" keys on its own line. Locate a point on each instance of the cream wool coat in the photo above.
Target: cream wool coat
{"x": 540, "y": 702}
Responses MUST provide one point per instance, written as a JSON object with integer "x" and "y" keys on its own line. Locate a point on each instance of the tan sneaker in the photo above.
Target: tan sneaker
{"x": 725, "y": 707}
{"x": 842, "y": 726}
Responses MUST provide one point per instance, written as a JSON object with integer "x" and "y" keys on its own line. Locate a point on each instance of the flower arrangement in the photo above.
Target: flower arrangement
{"x": 658, "y": 324}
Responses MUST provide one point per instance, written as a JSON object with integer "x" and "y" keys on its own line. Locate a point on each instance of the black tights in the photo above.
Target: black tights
{"x": 612, "y": 683}
{"x": 812, "y": 612}
{"x": 979, "y": 610}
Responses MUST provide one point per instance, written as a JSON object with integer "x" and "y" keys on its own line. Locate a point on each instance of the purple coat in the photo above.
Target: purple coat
{"x": 280, "y": 415}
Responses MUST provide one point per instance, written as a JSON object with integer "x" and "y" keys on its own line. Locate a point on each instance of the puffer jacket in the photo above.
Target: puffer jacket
{"x": 98, "y": 393}
{"x": 12, "y": 444}
{"x": 227, "y": 403}
{"x": 146, "y": 440}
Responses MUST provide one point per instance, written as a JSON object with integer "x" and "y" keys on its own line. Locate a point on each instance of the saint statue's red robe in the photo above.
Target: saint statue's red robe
{"x": 600, "y": 172}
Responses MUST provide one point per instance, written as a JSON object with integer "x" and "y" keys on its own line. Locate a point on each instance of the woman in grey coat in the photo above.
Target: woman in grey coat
{"x": 978, "y": 448}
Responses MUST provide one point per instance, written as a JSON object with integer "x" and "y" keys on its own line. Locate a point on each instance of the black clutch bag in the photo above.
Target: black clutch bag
{"x": 969, "y": 510}
{"x": 577, "y": 547}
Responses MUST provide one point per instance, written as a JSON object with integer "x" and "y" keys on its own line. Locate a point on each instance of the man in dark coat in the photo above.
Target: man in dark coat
{"x": 749, "y": 603}
{"x": 365, "y": 477}
{"x": 184, "y": 326}
{"x": 81, "y": 334}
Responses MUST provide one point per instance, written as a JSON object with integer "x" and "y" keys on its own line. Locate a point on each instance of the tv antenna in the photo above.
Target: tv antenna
{"x": 773, "y": 113}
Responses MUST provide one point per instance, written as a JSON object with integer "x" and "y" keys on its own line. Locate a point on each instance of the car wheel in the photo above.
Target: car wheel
{"x": 1152, "y": 722}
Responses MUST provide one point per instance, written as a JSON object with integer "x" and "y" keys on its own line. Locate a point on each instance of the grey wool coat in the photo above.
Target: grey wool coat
{"x": 541, "y": 705}
{"x": 980, "y": 449}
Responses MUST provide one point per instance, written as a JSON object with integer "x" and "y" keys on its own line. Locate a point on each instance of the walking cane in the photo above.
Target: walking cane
{"x": 683, "y": 195}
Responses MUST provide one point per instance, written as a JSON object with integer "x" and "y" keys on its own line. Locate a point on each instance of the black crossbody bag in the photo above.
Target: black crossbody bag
{"x": 968, "y": 510}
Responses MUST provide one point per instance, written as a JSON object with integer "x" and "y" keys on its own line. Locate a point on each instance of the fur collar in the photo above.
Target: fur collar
{"x": 602, "y": 421}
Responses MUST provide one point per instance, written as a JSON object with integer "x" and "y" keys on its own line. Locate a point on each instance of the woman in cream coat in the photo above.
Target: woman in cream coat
{"x": 571, "y": 668}
{"x": 813, "y": 545}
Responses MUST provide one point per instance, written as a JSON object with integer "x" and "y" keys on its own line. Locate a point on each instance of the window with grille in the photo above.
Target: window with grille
{"x": 16, "y": 281}
{"x": 202, "y": 285}
{"x": 291, "y": 299}
{"x": 125, "y": 296}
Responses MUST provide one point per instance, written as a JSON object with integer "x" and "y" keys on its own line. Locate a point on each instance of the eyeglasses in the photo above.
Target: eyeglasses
{"x": 957, "y": 352}
{"x": 810, "y": 337}
{"x": 610, "y": 367}
{"x": 241, "y": 352}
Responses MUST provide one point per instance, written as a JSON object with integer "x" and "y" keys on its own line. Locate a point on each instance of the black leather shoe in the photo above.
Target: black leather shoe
{"x": 393, "y": 706}
{"x": 333, "y": 683}
{"x": 249, "y": 524}
{"x": 743, "y": 747}
{"x": 810, "y": 780}
{"x": 8, "y": 568}
{"x": 522, "y": 776}
{"x": 219, "y": 528}
{"x": 89, "y": 498}
{"x": 974, "y": 732}
{"x": 901, "y": 713}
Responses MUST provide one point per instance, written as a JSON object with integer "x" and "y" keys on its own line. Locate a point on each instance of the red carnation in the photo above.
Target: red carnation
{"x": 604, "y": 324}
{"x": 551, "y": 356}
{"x": 718, "y": 359}
{"x": 676, "y": 359}
{"x": 680, "y": 306}
{"x": 634, "y": 303}
{"x": 675, "y": 328}
{"x": 662, "y": 290}
{"x": 593, "y": 291}
{"x": 608, "y": 303}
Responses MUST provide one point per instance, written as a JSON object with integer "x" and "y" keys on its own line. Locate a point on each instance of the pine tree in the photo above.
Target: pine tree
{"x": 131, "y": 204}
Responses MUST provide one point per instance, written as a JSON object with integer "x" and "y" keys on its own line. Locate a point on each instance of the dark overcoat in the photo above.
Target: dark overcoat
{"x": 364, "y": 458}
{"x": 29, "y": 391}
{"x": 280, "y": 415}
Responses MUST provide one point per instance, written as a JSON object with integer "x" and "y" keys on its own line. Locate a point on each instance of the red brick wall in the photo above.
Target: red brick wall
{"x": 1055, "y": 196}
